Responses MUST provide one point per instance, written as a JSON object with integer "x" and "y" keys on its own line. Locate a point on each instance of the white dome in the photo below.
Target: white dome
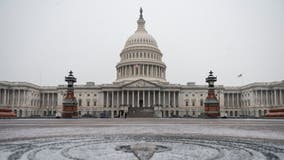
{"x": 141, "y": 57}
{"x": 141, "y": 38}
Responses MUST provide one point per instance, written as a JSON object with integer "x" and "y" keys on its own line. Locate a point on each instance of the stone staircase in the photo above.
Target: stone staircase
{"x": 140, "y": 112}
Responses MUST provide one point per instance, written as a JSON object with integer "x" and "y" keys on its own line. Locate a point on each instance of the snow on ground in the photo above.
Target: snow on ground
{"x": 177, "y": 139}
{"x": 11, "y": 133}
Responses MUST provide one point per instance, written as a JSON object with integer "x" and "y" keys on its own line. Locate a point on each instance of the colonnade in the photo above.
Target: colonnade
{"x": 146, "y": 70}
{"x": 260, "y": 97}
{"x": 49, "y": 99}
{"x": 232, "y": 100}
{"x": 13, "y": 97}
{"x": 141, "y": 98}
{"x": 268, "y": 97}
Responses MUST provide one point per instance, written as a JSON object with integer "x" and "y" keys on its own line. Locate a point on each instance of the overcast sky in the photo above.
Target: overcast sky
{"x": 41, "y": 40}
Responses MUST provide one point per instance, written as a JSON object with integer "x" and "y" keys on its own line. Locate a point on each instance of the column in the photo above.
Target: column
{"x": 122, "y": 96}
{"x": 107, "y": 102}
{"x": 227, "y": 100}
{"x": 13, "y": 99}
{"x": 52, "y": 101}
{"x": 281, "y": 100}
{"x": 275, "y": 97}
{"x": 47, "y": 99}
{"x": 142, "y": 69}
{"x": 149, "y": 98}
{"x": 112, "y": 99}
{"x": 18, "y": 99}
{"x": 159, "y": 98}
{"x": 261, "y": 98}
{"x": 266, "y": 94}
{"x": 155, "y": 71}
{"x": 154, "y": 98}
{"x": 175, "y": 99}
{"x": 164, "y": 99}
{"x": 178, "y": 95}
{"x": 138, "y": 103}
{"x": 237, "y": 100}
{"x": 118, "y": 98}
{"x": 143, "y": 98}
{"x": 169, "y": 99}
{"x": 5, "y": 95}
{"x": 255, "y": 97}
{"x": 132, "y": 98}
{"x": 233, "y": 100}
{"x": 152, "y": 70}
{"x": 151, "y": 67}
{"x": 25, "y": 98}
{"x": 12, "y": 104}
{"x": 127, "y": 99}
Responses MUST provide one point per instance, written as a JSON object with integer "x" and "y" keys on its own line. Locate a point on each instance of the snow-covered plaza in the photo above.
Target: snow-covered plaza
{"x": 142, "y": 139}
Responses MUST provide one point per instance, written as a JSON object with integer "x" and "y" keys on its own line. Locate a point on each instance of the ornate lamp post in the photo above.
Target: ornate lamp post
{"x": 70, "y": 109}
{"x": 212, "y": 107}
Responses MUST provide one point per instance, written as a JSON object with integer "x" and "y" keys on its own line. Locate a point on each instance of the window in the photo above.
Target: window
{"x": 201, "y": 102}
{"x": 95, "y": 103}
{"x": 88, "y": 95}
{"x": 186, "y": 103}
{"x": 88, "y": 103}
{"x": 95, "y": 95}
{"x": 80, "y": 102}
{"x": 193, "y": 102}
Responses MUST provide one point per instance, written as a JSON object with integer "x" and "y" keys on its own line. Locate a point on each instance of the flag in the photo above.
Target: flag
{"x": 240, "y": 75}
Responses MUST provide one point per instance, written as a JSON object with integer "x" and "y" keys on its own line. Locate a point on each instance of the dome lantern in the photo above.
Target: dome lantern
{"x": 141, "y": 22}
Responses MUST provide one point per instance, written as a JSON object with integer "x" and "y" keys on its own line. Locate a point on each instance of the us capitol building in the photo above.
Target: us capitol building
{"x": 141, "y": 85}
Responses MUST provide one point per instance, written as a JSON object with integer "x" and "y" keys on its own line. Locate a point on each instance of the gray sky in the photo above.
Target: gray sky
{"x": 41, "y": 40}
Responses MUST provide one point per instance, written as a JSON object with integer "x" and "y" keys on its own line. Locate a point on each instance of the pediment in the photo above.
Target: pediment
{"x": 141, "y": 84}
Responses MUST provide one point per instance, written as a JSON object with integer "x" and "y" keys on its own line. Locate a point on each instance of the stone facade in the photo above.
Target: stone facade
{"x": 141, "y": 82}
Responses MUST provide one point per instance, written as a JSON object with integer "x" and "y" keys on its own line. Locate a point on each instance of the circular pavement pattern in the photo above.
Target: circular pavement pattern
{"x": 141, "y": 147}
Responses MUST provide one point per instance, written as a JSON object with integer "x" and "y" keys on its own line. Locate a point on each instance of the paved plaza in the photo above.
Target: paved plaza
{"x": 142, "y": 139}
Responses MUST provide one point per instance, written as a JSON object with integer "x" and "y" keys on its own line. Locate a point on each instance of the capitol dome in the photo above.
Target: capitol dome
{"x": 141, "y": 57}
{"x": 141, "y": 36}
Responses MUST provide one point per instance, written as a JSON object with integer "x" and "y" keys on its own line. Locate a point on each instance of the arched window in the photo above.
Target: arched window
{"x": 193, "y": 102}
{"x": 80, "y": 102}
{"x": 259, "y": 113}
{"x": 201, "y": 102}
